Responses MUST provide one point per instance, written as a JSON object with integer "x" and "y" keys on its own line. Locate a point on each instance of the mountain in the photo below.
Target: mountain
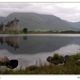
{"x": 76, "y": 25}
{"x": 2, "y": 19}
{"x": 34, "y": 21}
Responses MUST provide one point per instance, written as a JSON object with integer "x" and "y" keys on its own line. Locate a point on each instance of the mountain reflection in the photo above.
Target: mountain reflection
{"x": 35, "y": 44}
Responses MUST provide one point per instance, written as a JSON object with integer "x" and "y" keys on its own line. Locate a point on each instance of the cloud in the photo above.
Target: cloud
{"x": 66, "y": 11}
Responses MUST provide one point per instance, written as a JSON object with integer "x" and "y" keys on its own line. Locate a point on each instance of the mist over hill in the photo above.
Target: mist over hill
{"x": 34, "y": 21}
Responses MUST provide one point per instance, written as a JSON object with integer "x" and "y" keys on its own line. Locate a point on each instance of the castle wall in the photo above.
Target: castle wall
{"x": 14, "y": 26}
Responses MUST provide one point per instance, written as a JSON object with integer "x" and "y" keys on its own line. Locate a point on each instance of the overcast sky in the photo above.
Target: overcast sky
{"x": 66, "y": 11}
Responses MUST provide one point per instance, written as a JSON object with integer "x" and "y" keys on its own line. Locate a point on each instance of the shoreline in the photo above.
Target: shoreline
{"x": 59, "y": 35}
{"x": 51, "y": 68}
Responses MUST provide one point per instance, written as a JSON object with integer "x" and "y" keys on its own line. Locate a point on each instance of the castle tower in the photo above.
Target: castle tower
{"x": 15, "y": 25}
{"x": 2, "y": 27}
{"x": 12, "y": 25}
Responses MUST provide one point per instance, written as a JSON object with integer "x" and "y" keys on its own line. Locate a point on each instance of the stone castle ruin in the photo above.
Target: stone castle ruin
{"x": 12, "y": 25}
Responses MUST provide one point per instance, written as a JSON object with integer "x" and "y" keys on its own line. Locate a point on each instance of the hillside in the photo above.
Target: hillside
{"x": 34, "y": 21}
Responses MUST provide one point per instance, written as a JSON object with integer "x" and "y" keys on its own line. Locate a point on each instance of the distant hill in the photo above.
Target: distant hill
{"x": 34, "y": 21}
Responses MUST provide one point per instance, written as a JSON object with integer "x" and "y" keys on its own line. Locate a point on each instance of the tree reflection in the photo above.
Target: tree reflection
{"x": 24, "y": 37}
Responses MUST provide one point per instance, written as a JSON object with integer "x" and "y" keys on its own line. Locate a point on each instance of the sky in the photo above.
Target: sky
{"x": 66, "y": 11}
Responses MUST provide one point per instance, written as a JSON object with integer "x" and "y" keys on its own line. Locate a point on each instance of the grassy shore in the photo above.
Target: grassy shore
{"x": 70, "y": 67}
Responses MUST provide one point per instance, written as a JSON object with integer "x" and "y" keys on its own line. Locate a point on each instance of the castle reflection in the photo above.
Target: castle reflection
{"x": 13, "y": 41}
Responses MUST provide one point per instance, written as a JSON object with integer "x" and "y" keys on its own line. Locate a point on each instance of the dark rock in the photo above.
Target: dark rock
{"x": 12, "y": 64}
{"x": 49, "y": 59}
{"x": 55, "y": 61}
{"x": 4, "y": 59}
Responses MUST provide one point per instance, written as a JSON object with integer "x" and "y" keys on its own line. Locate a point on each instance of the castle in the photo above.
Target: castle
{"x": 10, "y": 26}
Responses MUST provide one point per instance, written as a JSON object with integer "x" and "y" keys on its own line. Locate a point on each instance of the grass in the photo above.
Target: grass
{"x": 70, "y": 67}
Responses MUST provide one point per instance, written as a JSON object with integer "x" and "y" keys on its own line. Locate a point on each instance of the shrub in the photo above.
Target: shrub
{"x": 56, "y": 59}
{"x": 25, "y": 30}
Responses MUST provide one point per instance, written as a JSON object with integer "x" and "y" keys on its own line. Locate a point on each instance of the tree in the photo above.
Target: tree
{"x": 25, "y": 30}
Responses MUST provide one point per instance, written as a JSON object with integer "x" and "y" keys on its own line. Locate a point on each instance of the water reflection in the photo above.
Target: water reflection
{"x": 29, "y": 49}
{"x": 13, "y": 42}
{"x": 1, "y": 40}
{"x": 35, "y": 44}
{"x": 24, "y": 37}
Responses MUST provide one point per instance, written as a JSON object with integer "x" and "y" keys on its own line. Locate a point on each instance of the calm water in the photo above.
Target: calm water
{"x": 29, "y": 50}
